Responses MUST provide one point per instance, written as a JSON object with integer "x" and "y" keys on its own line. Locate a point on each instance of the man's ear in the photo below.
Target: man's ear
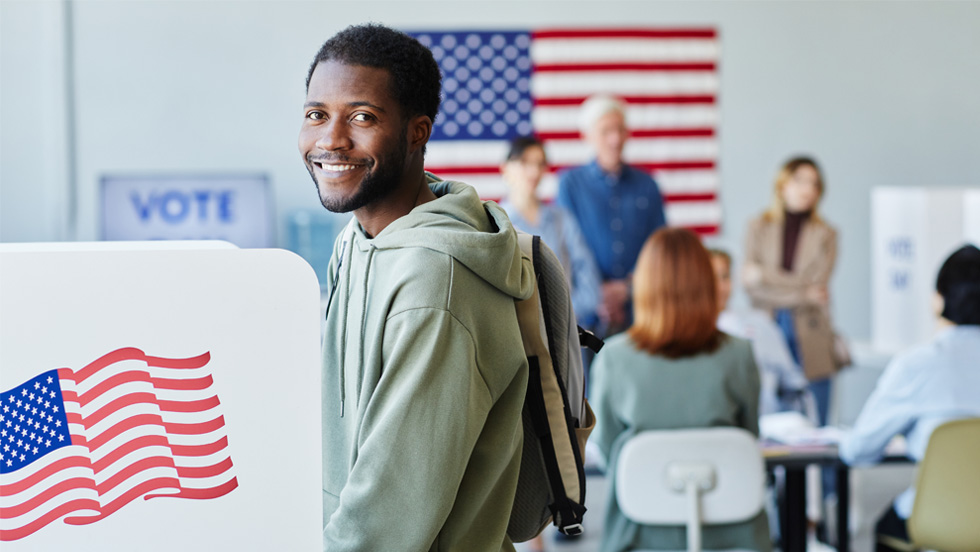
{"x": 419, "y": 131}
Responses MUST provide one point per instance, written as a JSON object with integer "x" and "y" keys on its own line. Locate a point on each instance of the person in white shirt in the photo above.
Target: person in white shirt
{"x": 783, "y": 383}
{"x": 925, "y": 386}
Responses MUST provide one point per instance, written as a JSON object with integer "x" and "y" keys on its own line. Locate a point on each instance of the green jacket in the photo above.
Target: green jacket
{"x": 423, "y": 380}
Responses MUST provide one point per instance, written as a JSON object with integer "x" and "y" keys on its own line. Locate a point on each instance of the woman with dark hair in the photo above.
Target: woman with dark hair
{"x": 790, "y": 252}
{"x": 926, "y": 386}
{"x": 523, "y": 169}
{"x": 673, "y": 369}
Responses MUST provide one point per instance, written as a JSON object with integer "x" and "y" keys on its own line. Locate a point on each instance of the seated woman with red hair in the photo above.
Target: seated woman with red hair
{"x": 673, "y": 369}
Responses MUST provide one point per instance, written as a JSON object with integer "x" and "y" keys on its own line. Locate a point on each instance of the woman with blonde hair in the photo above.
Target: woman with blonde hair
{"x": 790, "y": 253}
{"x": 673, "y": 369}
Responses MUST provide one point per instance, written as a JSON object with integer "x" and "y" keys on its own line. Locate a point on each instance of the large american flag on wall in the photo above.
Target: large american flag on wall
{"x": 498, "y": 85}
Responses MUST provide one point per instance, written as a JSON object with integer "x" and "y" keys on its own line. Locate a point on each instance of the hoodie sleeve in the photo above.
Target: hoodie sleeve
{"x": 421, "y": 423}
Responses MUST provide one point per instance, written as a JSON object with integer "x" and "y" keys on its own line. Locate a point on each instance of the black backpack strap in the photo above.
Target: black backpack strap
{"x": 589, "y": 340}
{"x": 567, "y": 513}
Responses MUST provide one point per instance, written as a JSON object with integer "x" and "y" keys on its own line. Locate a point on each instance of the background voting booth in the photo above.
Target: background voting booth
{"x": 912, "y": 231}
{"x": 160, "y": 396}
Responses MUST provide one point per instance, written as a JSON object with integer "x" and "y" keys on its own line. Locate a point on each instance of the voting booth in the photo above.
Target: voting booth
{"x": 913, "y": 230}
{"x": 158, "y": 397}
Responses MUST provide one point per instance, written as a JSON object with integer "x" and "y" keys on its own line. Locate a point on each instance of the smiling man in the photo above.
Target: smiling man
{"x": 423, "y": 371}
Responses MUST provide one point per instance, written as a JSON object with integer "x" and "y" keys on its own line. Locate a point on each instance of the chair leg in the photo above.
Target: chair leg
{"x": 693, "y": 517}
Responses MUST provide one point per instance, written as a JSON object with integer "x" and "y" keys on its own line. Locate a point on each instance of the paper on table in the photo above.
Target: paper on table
{"x": 792, "y": 428}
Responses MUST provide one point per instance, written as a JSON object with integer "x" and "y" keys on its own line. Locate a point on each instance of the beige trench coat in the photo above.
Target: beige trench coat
{"x": 816, "y": 253}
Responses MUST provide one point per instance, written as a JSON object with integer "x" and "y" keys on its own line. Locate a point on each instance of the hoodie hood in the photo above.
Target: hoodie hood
{"x": 447, "y": 225}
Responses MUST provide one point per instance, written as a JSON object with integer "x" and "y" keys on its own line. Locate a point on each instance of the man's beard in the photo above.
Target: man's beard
{"x": 382, "y": 178}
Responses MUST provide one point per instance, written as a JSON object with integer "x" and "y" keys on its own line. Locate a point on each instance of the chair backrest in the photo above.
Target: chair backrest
{"x": 644, "y": 492}
{"x": 946, "y": 514}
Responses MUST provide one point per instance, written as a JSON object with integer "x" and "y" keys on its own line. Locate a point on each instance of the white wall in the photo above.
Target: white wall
{"x": 882, "y": 94}
{"x": 34, "y": 191}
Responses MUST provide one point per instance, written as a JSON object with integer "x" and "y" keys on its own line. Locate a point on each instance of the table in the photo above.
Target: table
{"x": 792, "y": 515}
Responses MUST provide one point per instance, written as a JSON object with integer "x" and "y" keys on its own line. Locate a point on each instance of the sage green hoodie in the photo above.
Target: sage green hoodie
{"x": 424, "y": 377}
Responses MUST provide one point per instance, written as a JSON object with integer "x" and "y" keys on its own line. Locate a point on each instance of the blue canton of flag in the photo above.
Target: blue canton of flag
{"x": 486, "y": 84}
{"x": 32, "y": 421}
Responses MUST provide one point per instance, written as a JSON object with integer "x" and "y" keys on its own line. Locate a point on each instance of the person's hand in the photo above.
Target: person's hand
{"x": 817, "y": 294}
{"x": 752, "y": 274}
{"x": 612, "y": 308}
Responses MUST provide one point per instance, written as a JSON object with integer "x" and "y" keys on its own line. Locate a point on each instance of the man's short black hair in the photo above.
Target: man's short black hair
{"x": 959, "y": 284}
{"x": 415, "y": 77}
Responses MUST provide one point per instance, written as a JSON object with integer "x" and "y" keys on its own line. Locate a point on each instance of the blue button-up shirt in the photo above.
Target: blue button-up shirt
{"x": 558, "y": 229}
{"x": 918, "y": 391}
{"x": 615, "y": 212}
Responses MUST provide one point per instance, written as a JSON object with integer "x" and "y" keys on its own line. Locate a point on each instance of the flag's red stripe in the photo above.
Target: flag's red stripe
{"x": 624, "y": 33}
{"x": 634, "y": 100}
{"x": 130, "y": 353}
{"x": 124, "y": 425}
{"x": 9, "y": 489}
{"x": 200, "y": 494}
{"x": 675, "y": 165}
{"x": 66, "y": 508}
{"x": 116, "y": 405}
{"x": 603, "y": 67}
{"x": 205, "y": 471}
{"x": 109, "y": 383}
{"x": 200, "y": 450}
{"x": 46, "y": 495}
{"x": 472, "y": 169}
{"x": 195, "y": 384}
{"x": 189, "y": 406}
{"x": 635, "y": 133}
{"x": 192, "y": 362}
{"x": 664, "y": 165}
{"x": 126, "y": 498}
{"x": 73, "y": 417}
{"x": 705, "y": 229}
{"x": 705, "y": 196}
{"x": 128, "y": 447}
{"x": 136, "y": 467}
{"x": 196, "y": 429}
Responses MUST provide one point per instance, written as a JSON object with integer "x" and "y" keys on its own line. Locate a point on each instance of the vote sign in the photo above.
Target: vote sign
{"x": 233, "y": 208}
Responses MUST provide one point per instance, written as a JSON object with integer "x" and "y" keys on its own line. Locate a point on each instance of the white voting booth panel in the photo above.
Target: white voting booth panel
{"x": 913, "y": 231}
{"x": 186, "y": 380}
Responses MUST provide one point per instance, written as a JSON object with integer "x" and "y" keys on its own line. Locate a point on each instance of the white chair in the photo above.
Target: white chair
{"x": 691, "y": 477}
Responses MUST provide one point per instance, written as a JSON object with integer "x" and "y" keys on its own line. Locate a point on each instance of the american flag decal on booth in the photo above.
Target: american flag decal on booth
{"x": 498, "y": 85}
{"x": 85, "y": 443}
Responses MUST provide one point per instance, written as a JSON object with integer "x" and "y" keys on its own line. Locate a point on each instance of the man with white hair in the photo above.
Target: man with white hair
{"x": 617, "y": 206}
